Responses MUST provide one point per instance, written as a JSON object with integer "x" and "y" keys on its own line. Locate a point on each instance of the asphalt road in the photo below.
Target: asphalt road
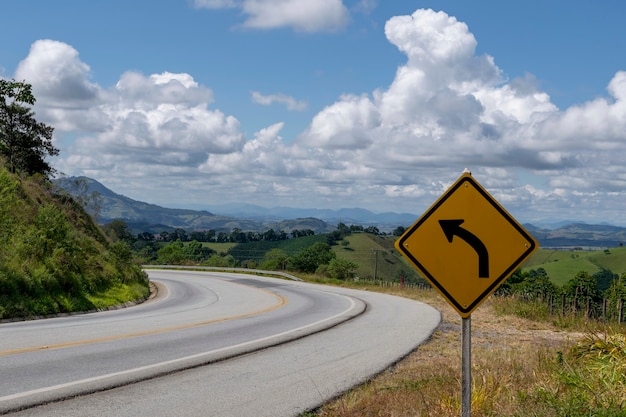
{"x": 213, "y": 344}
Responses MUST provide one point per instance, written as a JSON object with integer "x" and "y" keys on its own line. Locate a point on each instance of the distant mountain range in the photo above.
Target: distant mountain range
{"x": 145, "y": 217}
{"x": 343, "y": 215}
{"x": 579, "y": 235}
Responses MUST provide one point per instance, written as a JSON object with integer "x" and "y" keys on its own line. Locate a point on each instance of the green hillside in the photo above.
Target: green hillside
{"x": 255, "y": 251}
{"x": 54, "y": 258}
{"x": 376, "y": 257}
{"x": 562, "y": 266}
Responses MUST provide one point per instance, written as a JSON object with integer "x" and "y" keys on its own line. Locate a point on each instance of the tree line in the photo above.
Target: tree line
{"x": 600, "y": 295}
{"x": 236, "y": 235}
{"x": 119, "y": 229}
{"x": 180, "y": 247}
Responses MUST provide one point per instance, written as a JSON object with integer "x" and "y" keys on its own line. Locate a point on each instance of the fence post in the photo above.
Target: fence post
{"x": 620, "y": 310}
{"x": 550, "y": 304}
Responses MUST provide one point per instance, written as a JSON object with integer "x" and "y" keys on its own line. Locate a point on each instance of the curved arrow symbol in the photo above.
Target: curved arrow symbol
{"x": 453, "y": 228}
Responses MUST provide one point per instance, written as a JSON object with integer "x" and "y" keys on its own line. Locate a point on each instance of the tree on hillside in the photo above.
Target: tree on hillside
{"x": 24, "y": 142}
{"x": 604, "y": 277}
{"x": 536, "y": 284}
{"x": 398, "y": 231}
{"x": 372, "y": 229}
{"x": 582, "y": 290}
{"x": 343, "y": 230}
{"x": 118, "y": 230}
{"x": 275, "y": 259}
{"x": 171, "y": 254}
{"x": 531, "y": 285}
{"x": 342, "y": 268}
{"x": 310, "y": 258}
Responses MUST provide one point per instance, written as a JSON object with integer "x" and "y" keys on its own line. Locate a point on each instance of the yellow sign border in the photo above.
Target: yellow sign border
{"x": 465, "y": 311}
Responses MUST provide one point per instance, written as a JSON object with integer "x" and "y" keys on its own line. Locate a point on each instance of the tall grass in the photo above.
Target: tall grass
{"x": 589, "y": 379}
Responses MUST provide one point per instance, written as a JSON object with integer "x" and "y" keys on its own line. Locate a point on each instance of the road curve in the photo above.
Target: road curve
{"x": 210, "y": 318}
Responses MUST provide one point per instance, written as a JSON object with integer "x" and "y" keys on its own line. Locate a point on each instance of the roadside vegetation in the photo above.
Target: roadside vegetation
{"x": 54, "y": 258}
{"x": 520, "y": 367}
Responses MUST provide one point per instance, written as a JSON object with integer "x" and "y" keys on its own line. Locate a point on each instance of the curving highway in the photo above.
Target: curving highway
{"x": 211, "y": 344}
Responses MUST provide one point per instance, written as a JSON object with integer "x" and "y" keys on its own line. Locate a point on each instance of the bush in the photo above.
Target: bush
{"x": 342, "y": 268}
{"x": 307, "y": 260}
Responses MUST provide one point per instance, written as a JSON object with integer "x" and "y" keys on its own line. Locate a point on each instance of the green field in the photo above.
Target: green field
{"x": 562, "y": 266}
{"x": 256, "y": 251}
{"x": 219, "y": 248}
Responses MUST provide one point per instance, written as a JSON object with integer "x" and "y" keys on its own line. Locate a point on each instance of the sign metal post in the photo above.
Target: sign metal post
{"x": 466, "y": 367}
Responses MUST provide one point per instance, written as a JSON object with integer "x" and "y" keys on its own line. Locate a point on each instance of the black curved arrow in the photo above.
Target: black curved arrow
{"x": 452, "y": 228}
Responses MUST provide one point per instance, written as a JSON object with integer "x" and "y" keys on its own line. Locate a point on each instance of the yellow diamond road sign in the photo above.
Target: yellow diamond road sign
{"x": 466, "y": 245}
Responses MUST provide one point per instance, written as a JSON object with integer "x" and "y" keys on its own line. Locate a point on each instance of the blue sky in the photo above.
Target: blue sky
{"x": 330, "y": 103}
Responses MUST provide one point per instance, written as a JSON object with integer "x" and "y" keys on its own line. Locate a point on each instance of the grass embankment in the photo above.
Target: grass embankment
{"x": 54, "y": 258}
{"x": 520, "y": 368}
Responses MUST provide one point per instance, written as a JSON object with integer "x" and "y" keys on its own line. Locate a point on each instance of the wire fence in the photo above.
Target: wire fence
{"x": 605, "y": 309}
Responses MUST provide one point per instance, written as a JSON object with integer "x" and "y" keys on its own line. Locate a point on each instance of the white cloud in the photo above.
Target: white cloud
{"x": 343, "y": 125}
{"x": 267, "y": 100}
{"x": 56, "y": 71}
{"x": 160, "y": 119}
{"x": 157, "y": 89}
{"x": 396, "y": 148}
{"x": 299, "y": 15}
{"x": 448, "y": 108}
{"x": 61, "y": 85}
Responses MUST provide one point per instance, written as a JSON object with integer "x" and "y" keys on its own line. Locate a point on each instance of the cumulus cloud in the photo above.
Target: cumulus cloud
{"x": 160, "y": 119}
{"x": 444, "y": 98}
{"x": 267, "y": 100}
{"x": 61, "y": 85}
{"x": 448, "y": 108}
{"x": 343, "y": 125}
{"x": 396, "y": 148}
{"x": 56, "y": 71}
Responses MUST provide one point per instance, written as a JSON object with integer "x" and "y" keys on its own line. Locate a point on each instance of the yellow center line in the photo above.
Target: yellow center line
{"x": 282, "y": 301}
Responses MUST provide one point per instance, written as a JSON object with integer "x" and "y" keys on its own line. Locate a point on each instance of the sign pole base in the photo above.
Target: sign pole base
{"x": 466, "y": 367}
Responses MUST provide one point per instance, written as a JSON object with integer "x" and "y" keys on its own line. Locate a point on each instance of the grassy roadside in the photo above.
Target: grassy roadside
{"x": 519, "y": 368}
